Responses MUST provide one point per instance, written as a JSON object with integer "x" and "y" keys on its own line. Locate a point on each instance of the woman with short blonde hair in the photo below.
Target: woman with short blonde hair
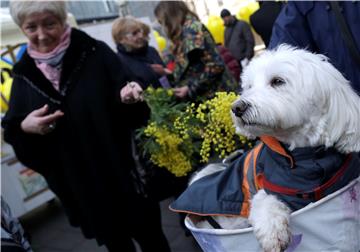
{"x": 146, "y": 66}
{"x": 131, "y": 37}
{"x": 122, "y": 26}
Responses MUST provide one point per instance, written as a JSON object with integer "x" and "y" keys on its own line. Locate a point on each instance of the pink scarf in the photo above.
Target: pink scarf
{"x": 50, "y": 64}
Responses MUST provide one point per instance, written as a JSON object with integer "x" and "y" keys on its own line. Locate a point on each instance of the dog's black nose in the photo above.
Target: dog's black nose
{"x": 239, "y": 108}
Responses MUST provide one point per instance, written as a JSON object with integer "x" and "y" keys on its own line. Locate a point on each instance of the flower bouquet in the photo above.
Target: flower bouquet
{"x": 181, "y": 136}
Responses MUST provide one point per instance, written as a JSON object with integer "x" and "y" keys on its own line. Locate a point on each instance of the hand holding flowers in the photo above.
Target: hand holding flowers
{"x": 181, "y": 136}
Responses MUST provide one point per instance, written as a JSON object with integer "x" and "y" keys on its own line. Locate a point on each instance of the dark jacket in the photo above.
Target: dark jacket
{"x": 239, "y": 40}
{"x": 264, "y": 18}
{"x": 87, "y": 159}
{"x": 155, "y": 179}
{"x": 270, "y": 167}
{"x": 138, "y": 64}
{"x": 312, "y": 25}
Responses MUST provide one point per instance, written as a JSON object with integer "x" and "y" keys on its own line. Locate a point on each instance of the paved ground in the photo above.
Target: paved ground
{"x": 51, "y": 232}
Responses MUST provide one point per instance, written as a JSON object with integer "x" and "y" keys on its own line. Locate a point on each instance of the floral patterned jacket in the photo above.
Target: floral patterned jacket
{"x": 198, "y": 63}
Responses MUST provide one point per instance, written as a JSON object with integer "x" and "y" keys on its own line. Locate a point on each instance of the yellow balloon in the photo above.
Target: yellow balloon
{"x": 246, "y": 11}
{"x": 212, "y": 18}
{"x": 156, "y": 33}
{"x": 253, "y": 6}
{"x": 216, "y": 27}
{"x": 6, "y": 83}
{"x": 161, "y": 41}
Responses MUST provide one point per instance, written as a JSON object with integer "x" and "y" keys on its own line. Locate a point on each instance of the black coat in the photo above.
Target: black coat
{"x": 264, "y": 18}
{"x": 138, "y": 64}
{"x": 87, "y": 159}
{"x": 159, "y": 182}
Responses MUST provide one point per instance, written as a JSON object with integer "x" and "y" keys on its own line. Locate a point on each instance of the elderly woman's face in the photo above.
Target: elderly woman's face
{"x": 44, "y": 31}
{"x": 134, "y": 38}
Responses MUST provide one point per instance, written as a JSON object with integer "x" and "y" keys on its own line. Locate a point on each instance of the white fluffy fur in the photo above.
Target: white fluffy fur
{"x": 270, "y": 219}
{"x": 314, "y": 106}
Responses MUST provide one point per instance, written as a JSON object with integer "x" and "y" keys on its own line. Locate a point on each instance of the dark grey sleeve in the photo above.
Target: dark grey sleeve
{"x": 250, "y": 43}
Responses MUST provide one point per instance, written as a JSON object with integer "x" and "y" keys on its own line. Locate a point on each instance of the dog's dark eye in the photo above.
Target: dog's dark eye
{"x": 277, "y": 82}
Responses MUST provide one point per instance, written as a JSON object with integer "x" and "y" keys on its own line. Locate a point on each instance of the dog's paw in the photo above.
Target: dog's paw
{"x": 270, "y": 220}
{"x": 276, "y": 239}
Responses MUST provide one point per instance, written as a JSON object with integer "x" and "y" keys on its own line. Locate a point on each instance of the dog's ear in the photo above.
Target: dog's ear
{"x": 342, "y": 109}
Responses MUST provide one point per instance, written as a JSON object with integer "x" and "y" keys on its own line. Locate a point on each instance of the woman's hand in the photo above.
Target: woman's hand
{"x": 131, "y": 93}
{"x": 181, "y": 92}
{"x": 39, "y": 122}
{"x": 159, "y": 69}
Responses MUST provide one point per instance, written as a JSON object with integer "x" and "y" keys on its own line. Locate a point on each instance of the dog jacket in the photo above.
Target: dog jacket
{"x": 297, "y": 178}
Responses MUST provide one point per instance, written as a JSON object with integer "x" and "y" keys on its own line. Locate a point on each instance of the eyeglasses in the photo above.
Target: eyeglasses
{"x": 134, "y": 33}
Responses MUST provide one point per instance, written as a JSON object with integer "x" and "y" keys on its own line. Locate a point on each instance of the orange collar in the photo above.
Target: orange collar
{"x": 275, "y": 145}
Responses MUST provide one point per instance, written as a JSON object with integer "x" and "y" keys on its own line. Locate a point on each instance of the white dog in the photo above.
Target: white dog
{"x": 301, "y": 100}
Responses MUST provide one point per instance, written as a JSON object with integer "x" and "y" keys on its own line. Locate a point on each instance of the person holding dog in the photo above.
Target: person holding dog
{"x": 199, "y": 70}
{"x": 69, "y": 120}
{"x": 263, "y": 19}
{"x": 329, "y": 28}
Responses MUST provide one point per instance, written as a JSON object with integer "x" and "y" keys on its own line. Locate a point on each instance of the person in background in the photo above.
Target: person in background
{"x": 314, "y": 25}
{"x": 144, "y": 64}
{"x": 199, "y": 70}
{"x": 238, "y": 38}
{"x": 69, "y": 120}
{"x": 264, "y": 18}
{"x": 231, "y": 63}
{"x": 143, "y": 61}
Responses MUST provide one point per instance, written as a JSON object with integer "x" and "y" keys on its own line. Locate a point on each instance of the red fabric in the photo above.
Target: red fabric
{"x": 171, "y": 66}
{"x": 231, "y": 63}
{"x": 320, "y": 190}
